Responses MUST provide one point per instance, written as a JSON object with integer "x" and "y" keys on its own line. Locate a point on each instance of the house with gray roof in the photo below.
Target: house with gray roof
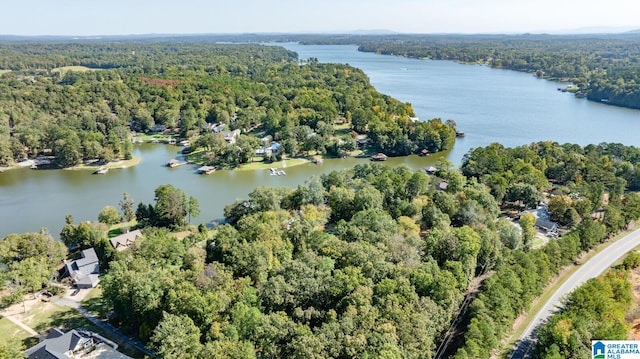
{"x": 74, "y": 344}
{"x": 125, "y": 240}
{"x": 230, "y": 136}
{"x": 84, "y": 271}
{"x": 547, "y": 225}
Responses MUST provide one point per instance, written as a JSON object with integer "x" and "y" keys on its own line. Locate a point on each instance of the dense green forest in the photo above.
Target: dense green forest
{"x": 604, "y": 67}
{"x": 370, "y": 262}
{"x": 597, "y": 309}
{"x": 79, "y": 101}
{"x": 373, "y": 262}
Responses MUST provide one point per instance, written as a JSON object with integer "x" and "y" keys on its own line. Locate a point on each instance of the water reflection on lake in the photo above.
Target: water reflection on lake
{"x": 490, "y": 105}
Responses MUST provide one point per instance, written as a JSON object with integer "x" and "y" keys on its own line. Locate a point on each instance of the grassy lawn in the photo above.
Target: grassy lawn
{"x": 197, "y": 156}
{"x": 95, "y": 304}
{"x": 152, "y": 137}
{"x": 41, "y": 317}
{"x": 111, "y": 165}
{"x": 116, "y": 229}
{"x": 46, "y": 316}
{"x": 342, "y": 129}
{"x": 64, "y": 69}
{"x": 11, "y": 332}
{"x": 538, "y": 241}
{"x": 265, "y": 166}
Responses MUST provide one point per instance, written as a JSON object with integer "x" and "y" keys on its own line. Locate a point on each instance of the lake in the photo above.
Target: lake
{"x": 489, "y": 105}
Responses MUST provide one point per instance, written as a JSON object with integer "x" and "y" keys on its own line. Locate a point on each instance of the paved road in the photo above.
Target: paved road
{"x": 590, "y": 269}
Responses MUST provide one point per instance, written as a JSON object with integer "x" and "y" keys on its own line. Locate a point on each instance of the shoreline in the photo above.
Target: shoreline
{"x": 121, "y": 164}
{"x": 289, "y": 162}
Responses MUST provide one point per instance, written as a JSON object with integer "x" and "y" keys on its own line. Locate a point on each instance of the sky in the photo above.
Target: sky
{"x": 124, "y": 17}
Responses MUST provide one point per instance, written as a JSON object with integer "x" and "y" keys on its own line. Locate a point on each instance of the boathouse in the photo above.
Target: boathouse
{"x": 379, "y": 157}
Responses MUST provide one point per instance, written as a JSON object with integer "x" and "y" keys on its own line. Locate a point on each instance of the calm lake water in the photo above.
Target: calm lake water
{"x": 490, "y": 105}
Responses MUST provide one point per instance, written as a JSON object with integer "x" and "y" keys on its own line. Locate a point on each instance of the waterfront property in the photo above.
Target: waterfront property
{"x": 125, "y": 240}
{"x": 379, "y": 157}
{"x": 231, "y": 136}
{"x": 517, "y": 101}
{"x": 84, "y": 272}
{"x": 442, "y": 185}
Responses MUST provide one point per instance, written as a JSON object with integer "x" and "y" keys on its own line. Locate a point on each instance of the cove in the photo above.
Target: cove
{"x": 490, "y": 105}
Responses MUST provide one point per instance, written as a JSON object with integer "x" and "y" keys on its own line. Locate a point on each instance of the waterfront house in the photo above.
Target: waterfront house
{"x": 275, "y": 147}
{"x": 231, "y": 136}
{"x": 217, "y": 128}
{"x": 158, "y": 128}
{"x": 442, "y": 186}
{"x": 125, "y": 240}
{"x": 84, "y": 271}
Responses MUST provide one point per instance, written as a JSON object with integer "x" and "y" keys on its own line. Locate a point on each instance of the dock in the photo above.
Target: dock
{"x": 379, "y": 157}
{"x": 206, "y": 170}
{"x": 175, "y": 163}
{"x": 277, "y": 172}
{"x": 102, "y": 170}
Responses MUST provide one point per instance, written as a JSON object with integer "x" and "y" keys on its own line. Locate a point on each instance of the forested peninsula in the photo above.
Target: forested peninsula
{"x": 369, "y": 262}
{"x": 79, "y": 101}
{"x": 601, "y": 67}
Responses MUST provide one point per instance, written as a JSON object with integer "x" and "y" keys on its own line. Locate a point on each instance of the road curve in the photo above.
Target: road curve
{"x": 590, "y": 269}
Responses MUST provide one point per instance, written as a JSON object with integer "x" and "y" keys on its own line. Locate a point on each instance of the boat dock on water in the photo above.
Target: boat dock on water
{"x": 102, "y": 170}
{"x": 277, "y": 172}
{"x": 206, "y": 170}
{"x": 175, "y": 163}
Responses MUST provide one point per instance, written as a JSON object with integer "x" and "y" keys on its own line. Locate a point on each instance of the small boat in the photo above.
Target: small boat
{"x": 459, "y": 133}
{"x": 102, "y": 170}
{"x": 175, "y": 163}
{"x": 206, "y": 170}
